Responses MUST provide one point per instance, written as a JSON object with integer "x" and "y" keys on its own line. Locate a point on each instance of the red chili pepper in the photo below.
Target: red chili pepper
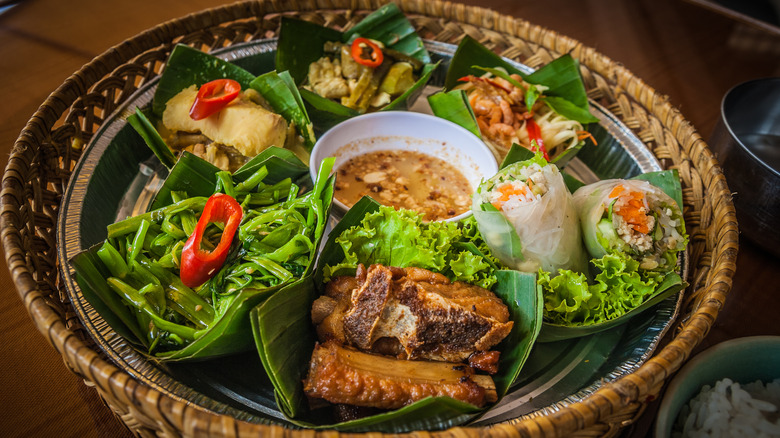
{"x": 365, "y": 52}
{"x": 213, "y": 96}
{"x": 198, "y": 265}
{"x": 535, "y": 137}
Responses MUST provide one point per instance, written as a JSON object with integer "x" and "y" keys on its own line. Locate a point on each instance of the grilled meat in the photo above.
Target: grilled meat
{"x": 412, "y": 313}
{"x": 344, "y": 375}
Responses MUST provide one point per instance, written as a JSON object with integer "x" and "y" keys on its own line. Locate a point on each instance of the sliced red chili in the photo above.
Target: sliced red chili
{"x": 535, "y": 137}
{"x": 366, "y": 52}
{"x": 198, "y": 265}
{"x": 213, "y": 96}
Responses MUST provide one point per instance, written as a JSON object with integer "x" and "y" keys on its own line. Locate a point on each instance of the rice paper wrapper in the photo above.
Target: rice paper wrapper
{"x": 593, "y": 202}
{"x": 543, "y": 233}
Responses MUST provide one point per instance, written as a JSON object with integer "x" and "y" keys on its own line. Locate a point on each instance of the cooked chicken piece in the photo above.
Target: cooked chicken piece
{"x": 412, "y": 313}
{"x": 242, "y": 124}
{"x": 325, "y": 79}
{"x": 345, "y": 376}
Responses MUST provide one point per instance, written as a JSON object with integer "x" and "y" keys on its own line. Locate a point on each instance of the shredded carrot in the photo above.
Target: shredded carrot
{"x": 630, "y": 209}
{"x": 507, "y": 190}
{"x": 582, "y": 135}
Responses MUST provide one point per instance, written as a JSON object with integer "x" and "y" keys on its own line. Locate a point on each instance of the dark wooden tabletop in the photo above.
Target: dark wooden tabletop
{"x": 681, "y": 49}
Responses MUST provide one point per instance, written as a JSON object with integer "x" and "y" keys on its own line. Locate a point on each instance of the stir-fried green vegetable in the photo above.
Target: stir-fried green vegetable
{"x": 274, "y": 248}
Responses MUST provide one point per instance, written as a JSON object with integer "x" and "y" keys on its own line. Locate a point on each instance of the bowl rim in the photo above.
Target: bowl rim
{"x": 727, "y": 125}
{"x": 665, "y": 418}
{"x": 314, "y": 162}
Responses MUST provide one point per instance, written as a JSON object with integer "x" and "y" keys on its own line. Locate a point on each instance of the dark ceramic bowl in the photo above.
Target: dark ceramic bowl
{"x": 746, "y": 141}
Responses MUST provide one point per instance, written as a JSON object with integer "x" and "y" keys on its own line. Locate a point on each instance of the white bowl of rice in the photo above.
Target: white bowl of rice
{"x": 731, "y": 389}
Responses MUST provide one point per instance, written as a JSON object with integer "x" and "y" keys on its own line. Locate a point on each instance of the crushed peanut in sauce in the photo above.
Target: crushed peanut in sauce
{"x": 405, "y": 179}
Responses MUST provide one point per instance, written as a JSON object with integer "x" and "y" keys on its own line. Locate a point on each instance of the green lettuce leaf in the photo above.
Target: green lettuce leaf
{"x": 619, "y": 288}
{"x": 400, "y": 238}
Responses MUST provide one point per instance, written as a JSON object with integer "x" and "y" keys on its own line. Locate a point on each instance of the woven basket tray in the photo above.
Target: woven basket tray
{"x": 44, "y": 155}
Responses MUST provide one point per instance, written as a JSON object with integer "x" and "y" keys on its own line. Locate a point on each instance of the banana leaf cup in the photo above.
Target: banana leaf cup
{"x": 285, "y": 335}
{"x": 187, "y": 67}
{"x": 622, "y": 283}
{"x": 133, "y": 278}
{"x": 301, "y": 43}
{"x": 552, "y": 101}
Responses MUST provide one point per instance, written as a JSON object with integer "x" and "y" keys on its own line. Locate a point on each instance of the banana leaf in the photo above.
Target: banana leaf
{"x": 301, "y": 43}
{"x": 281, "y": 334}
{"x": 453, "y": 106}
{"x": 389, "y": 25}
{"x": 228, "y": 329}
{"x": 144, "y": 127}
{"x": 280, "y": 92}
{"x": 670, "y": 284}
{"x": 193, "y": 175}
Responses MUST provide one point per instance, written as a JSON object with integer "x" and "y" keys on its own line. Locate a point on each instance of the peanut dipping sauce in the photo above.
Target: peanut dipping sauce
{"x": 405, "y": 179}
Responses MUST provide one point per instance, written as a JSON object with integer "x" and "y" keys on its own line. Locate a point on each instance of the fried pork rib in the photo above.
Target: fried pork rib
{"x": 413, "y": 313}
{"x": 343, "y": 375}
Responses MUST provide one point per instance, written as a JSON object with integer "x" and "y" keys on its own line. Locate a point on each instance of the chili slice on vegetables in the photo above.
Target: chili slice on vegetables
{"x": 213, "y": 96}
{"x": 366, "y": 52}
{"x": 198, "y": 265}
{"x": 535, "y": 137}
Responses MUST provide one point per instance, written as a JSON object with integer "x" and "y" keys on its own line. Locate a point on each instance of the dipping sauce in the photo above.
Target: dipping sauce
{"x": 405, "y": 179}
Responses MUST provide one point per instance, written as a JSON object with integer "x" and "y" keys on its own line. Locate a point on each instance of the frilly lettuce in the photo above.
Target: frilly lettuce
{"x": 618, "y": 288}
{"x": 400, "y": 238}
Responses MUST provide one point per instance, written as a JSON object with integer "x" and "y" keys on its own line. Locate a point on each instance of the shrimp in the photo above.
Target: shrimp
{"x": 506, "y": 109}
{"x": 501, "y": 129}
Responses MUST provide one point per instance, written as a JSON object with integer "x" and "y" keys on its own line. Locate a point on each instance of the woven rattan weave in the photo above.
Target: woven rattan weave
{"x": 45, "y": 153}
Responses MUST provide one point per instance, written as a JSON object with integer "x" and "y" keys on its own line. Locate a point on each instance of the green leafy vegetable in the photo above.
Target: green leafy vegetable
{"x": 274, "y": 251}
{"x": 400, "y": 238}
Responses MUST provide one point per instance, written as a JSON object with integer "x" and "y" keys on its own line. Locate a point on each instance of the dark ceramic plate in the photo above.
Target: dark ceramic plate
{"x": 118, "y": 176}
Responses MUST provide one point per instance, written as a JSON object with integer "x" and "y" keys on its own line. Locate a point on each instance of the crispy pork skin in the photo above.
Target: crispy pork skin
{"x": 343, "y": 375}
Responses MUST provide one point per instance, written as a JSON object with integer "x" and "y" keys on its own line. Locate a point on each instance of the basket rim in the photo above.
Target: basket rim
{"x": 177, "y": 415}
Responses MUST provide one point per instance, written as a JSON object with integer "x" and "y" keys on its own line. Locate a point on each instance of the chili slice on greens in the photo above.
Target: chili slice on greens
{"x": 144, "y": 265}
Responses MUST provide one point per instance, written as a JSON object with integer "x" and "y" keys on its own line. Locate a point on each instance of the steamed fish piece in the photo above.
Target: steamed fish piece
{"x": 242, "y": 124}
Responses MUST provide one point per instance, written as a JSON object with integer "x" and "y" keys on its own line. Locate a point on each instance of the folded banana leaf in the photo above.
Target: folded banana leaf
{"x": 285, "y": 339}
{"x": 618, "y": 287}
{"x": 563, "y": 90}
{"x": 187, "y": 66}
{"x": 301, "y": 43}
{"x": 132, "y": 278}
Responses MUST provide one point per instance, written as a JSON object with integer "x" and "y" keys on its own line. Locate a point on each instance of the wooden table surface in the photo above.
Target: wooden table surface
{"x": 684, "y": 51}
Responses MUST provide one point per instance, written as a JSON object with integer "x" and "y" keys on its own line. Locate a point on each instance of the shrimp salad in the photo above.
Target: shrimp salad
{"x": 503, "y": 117}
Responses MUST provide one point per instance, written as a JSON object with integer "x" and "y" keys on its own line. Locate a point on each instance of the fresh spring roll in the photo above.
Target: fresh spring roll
{"x": 631, "y": 217}
{"x": 530, "y": 198}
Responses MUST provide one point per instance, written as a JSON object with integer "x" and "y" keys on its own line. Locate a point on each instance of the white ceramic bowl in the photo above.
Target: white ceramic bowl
{"x": 403, "y": 130}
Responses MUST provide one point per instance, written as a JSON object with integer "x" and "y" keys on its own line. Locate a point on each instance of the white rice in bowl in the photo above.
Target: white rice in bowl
{"x": 732, "y": 410}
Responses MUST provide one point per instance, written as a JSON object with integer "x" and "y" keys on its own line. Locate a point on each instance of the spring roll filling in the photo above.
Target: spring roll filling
{"x": 642, "y": 223}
